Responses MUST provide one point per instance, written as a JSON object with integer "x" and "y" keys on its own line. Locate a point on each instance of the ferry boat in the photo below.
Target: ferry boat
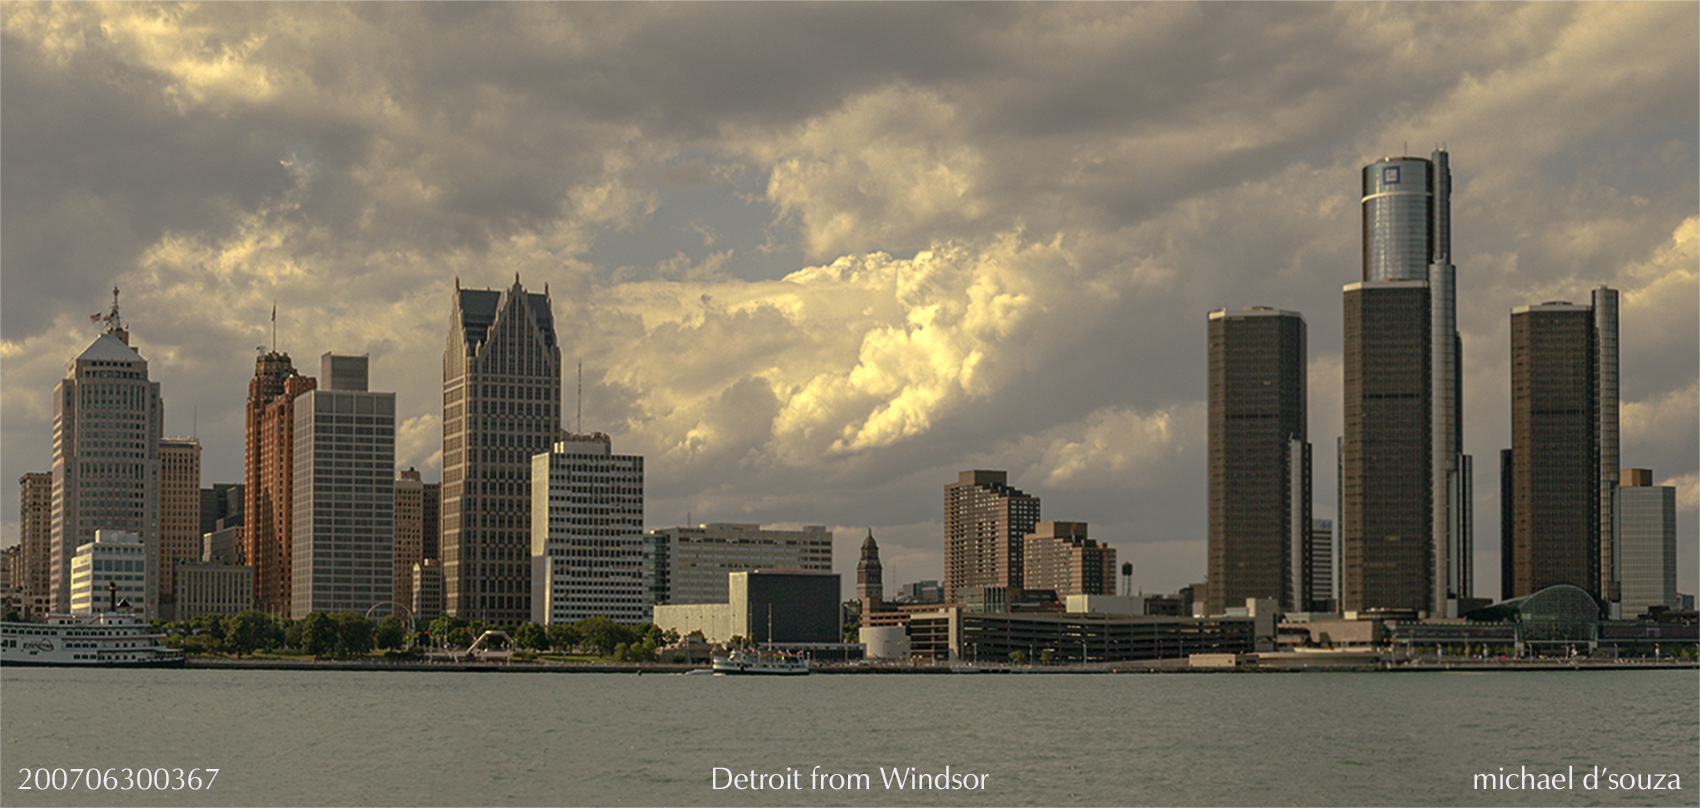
{"x": 98, "y": 640}
{"x": 744, "y": 663}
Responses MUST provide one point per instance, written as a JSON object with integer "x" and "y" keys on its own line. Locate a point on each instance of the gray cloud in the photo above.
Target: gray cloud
{"x": 943, "y": 235}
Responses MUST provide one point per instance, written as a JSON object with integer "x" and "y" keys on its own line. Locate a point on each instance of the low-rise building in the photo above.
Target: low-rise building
{"x": 213, "y": 588}
{"x": 113, "y": 572}
{"x": 783, "y": 607}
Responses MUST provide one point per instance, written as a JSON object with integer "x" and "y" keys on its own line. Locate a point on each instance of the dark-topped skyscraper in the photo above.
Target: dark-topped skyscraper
{"x": 985, "y": 524}
{"x": 1563, "y": 413}
{"x": 501, "y": 406}
{"x": 1259, "y": 533}
{"x": 1405, "y": 481}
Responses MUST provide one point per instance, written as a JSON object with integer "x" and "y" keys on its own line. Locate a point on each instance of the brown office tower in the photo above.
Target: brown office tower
{"x": 1059, "y": 557}
{"x": 1554, "y": 471}
{"x": 985, "y": 522}
{"x": 268, "y": 504}
{"x": 501, "y": 406}
{"x": 1259, "y": 540}
{"x": 1386, "y": 499}
{"x": 417, "y": 507}
{"x": 30, "y": 579}
{"x": 179, "y": 515}
{"x": 870, "y": 581}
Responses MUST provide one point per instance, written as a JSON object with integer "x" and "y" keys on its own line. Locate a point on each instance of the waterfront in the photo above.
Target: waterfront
{"x": 449, "y": 738}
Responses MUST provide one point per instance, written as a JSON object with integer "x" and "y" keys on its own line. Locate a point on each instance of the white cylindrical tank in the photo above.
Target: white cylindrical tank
{"x": 886, "y": 642}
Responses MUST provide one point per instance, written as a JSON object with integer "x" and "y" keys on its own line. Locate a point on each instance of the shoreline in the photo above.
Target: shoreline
{"x": 1153, "y": 666}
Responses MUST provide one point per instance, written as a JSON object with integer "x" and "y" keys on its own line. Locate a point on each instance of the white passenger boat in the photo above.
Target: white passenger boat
{"x": 745, "y": 663}
{"x": 101, "y": 640}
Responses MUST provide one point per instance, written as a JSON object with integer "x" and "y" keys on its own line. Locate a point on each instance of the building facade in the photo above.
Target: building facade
{"x": 33, "y": 572}
{"x": 1404, "y": 311}
{"x": 213, "y": 588}
{"x": 343, "y": 544}
{"x": 985, "y": 523}
{"x": 501, "y": 407}
{"x": 107, "y": 423}
{"x": 1646, "y": 531}
{"x": 113, "y": 573}
{"x": 587, "y": 545}
{"x": 1060, "y": 557}
{"x": 179, "y": 515}
{"x": 1259, "y": 476}
{"x": 418, "y": 507}
{"x": 689, "y": 565}
{"x": 1554, "y": 471}
{"x": 1322, "y": 557}
{"x": 268, "y": 502}
{"x": 221, "y": 502}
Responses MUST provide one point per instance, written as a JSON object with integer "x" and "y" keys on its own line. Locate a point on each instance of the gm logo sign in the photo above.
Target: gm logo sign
{"x": 1390, "y": 175}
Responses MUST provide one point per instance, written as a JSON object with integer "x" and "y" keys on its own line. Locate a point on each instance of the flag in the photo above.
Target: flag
{"x": 94, "y": 318}
{"x": 274, "y": 312}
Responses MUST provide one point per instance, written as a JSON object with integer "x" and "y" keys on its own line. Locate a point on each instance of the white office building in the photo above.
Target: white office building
{"x": 114, "y": 570}
{"x": 1645, "y": 516}
{"x": 344, "y": 546}
{"x": 689, "y": 565}
{"x": 587, "y": 533}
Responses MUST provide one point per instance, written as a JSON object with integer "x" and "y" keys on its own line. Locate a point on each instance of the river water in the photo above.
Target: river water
{"x": 498, "y": 739}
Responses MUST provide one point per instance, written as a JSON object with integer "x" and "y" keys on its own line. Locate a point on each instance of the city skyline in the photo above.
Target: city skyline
{"x": 818, "y": 260}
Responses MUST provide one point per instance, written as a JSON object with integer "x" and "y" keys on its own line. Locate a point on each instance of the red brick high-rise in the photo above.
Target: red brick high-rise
{"x": 268, "y": 505}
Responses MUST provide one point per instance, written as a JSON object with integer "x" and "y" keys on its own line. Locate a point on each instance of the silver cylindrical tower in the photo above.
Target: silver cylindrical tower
{"x": 1398, "y": 214}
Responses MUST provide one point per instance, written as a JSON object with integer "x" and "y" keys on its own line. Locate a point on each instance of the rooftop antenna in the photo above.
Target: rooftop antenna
{"x": 274, "y": 326}
{"x": 578, "y": 420}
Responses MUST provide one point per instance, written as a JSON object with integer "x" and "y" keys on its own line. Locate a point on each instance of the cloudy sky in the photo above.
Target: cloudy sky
{"x": 817, "y": 259}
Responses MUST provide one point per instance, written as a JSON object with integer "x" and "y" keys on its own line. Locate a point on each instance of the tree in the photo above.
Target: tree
{"x": 354, "y": 634}
{"x": 620, "y": 650}
{"x": 248, "y": 632}
{"x": 390, "y": 634}
{"x": 1018, "y": 657}
{"x": 1047, "y": 656}
{"x": 562, "y": 636}
{"x": 12, "y": 616}
{"x": 318, "y": 634}
{"x": 602, "y": 634}
{"x": 531, "y": 636}
{"x": 442, "y": 627}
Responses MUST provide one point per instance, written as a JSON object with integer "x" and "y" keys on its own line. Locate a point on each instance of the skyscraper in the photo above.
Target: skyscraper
{"x": 179, "y": 516}
{"x": 501, "y": 406}
{"x": 1606, "y": 438}
{"x": 1554, "y": 456}
{"x": 418, "y": 509}
{"x": 985, "y": 523}
{"x": 268, "y": 490}
{"x": 35, "y": 540}
{"x": 1259, "y": 532}
{"x": 343, "y": 543}
{"x": 1405, "y": 485}
{"x": 107, "y": 420}
{"x": 1646, "y": 528}
{"x": 587, "y": 547}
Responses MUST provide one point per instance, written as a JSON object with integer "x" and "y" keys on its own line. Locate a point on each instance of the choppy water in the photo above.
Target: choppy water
{"x": 438, "y": 738}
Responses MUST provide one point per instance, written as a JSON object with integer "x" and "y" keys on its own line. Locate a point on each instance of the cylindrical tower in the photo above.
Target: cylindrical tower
{"x": 1398, "y": 212}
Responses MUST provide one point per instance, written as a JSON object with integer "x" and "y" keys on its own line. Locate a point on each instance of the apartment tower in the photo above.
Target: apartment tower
{"x": 501, "y": 407}
{"x": 1259, "y": 487}
{"x": 1405, "y": 530}
{"x": 985, "y": 522}
{"x": 1059, "y": 556}
{"x": 107, "y": 420}
{"x": 268, "y": 487}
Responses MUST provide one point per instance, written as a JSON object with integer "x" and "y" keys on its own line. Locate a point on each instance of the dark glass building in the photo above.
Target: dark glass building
{"x": 1259, "y": 487}
{"x": 1387, "y": 558}
{"x": 1554, "y": 472}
